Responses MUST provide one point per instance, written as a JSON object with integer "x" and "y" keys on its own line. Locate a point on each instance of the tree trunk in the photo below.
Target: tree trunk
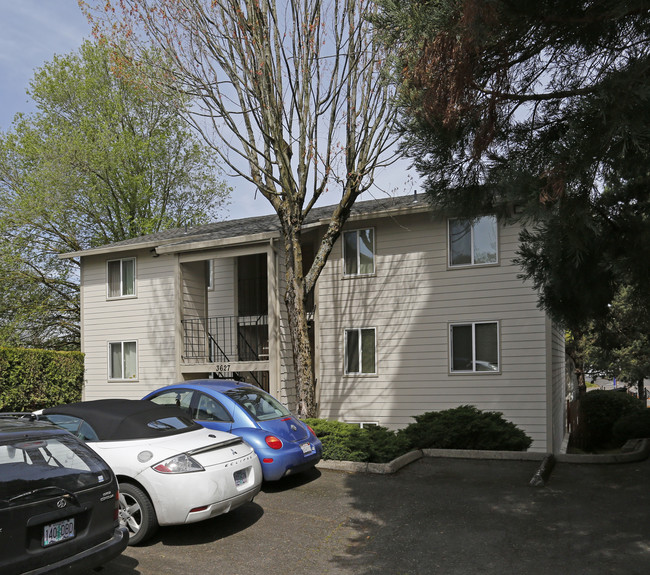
{"x": 301, "y": 345}
{"x": 295, "y": 299}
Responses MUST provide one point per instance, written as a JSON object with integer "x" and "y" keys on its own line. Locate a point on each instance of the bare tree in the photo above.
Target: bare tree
{"x": 291, "y": 95}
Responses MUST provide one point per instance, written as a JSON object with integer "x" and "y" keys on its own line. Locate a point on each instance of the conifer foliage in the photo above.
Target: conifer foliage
{"x": 537, "y": 111}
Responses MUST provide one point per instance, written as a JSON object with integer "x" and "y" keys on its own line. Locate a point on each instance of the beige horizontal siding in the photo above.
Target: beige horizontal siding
{"x": 411, "y": 300}
{"x": 148, "y": 319}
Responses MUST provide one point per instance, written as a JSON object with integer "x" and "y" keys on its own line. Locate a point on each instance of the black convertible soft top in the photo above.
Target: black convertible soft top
{"x": 120, "y": 419}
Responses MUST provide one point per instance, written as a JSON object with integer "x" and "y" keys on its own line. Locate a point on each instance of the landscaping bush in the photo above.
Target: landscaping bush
{"x": 633, "y": 426}
{"x": 349, "y": 442}
{"x": 33, "y": 379}
{"x": 465, "y": 427}
{"x": 599, "y": 411}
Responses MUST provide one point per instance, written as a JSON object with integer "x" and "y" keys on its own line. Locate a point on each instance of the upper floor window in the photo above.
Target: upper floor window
{"x": 122, "y": 360}
{"x": 121, "y": 277}
{"x": 360, "y": 351}
{"x": 473, "y": 242}
{"x": 359, "y": 252}
{"x": 474, "y": 346}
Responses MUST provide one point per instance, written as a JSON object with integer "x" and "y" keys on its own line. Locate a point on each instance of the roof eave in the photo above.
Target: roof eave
{"x": 112, "y": 249}
{"x": 192, "y": 246}
{"x": 184, "y": 244}
{"x": 388, "y": 212}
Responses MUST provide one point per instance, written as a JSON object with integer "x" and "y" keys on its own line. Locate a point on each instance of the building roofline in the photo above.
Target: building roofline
{"x": 207, "y": 244}
{"x": 260, "y": 229}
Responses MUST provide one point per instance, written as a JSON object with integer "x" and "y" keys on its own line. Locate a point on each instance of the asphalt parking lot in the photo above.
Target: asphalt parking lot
{"x": 435, "y": 516}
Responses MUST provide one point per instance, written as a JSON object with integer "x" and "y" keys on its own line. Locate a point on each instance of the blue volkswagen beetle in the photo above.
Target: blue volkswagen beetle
{"x": 284, "y": 444}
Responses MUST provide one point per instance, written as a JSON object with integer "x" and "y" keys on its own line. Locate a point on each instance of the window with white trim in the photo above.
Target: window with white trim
{"x": 474, "y": 347}
{"x": 360, "y": 351}
{"x": 121, "y": 278}
{"x": 359, "y": 252}
{"x": 122, "y": 360}
{"x": 473, "y": 242}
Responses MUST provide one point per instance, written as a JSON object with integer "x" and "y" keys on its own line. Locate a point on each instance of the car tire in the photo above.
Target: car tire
{"x": 136, "y": 513}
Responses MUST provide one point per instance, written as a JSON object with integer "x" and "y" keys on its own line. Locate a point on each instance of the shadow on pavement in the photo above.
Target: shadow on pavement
{"x": 436, "y": 516}
{"x": 453, "y": 517}
{"x": 291, "y": 481}
{"x": 209, "y": 531}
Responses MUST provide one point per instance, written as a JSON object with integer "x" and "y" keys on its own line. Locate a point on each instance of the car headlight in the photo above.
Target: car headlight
{"x": 182, "y": 463}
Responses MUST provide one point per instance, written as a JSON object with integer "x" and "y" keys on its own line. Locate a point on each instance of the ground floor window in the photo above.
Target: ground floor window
{"x": 122, "y": 360}
{"x": 474, "y": 347}
{"x": 360, "y": 354}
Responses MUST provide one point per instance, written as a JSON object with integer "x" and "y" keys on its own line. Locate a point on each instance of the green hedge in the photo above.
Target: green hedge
{"x": 464, "y": 427}
{"x": 32, "y": 379}
{"x": 633, "y": 426}
{"x": 599, "y": 412}
{"x": 349, "y": 442}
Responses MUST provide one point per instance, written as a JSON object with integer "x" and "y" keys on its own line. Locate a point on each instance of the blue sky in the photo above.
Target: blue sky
{"x": 33, "y": 31}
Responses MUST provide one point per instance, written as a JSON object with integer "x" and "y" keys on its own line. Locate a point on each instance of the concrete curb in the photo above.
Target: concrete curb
{"x": 378, "y": 468}
{"x": 634, "y": 450}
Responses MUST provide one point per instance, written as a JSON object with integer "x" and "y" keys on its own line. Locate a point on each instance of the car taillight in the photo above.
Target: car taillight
{"x": 273, "y": 442}
{"x": 310, "y": 429}
{"x": 179, "y": 464}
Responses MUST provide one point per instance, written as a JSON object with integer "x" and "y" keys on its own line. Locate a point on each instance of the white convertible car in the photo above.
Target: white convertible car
{"x": 170, "y": 469}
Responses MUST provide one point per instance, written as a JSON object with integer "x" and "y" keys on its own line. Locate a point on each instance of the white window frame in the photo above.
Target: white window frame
{"x": 473, "y": 359}
{"x": 121, "y": 295}
{"x": 111, "y": 375}
{"x": 472, "y": 225}
{"x": 358, "y": 273}
{"x": 359, "y": 351}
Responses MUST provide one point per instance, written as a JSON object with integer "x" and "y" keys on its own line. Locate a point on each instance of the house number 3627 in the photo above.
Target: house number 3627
{"x": 222, "y": 367}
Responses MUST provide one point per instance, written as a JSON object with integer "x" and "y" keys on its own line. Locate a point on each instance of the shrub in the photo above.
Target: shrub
{"x": 349, "y": 442}
{"x": 32, "y": 379}
{"x": 599, "y": 411}
{"x": 465, "y": 427}
{"x": 633, "y": 426}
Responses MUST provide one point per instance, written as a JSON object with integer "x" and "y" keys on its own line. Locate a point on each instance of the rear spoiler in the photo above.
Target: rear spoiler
{"x": 214, "y": 446}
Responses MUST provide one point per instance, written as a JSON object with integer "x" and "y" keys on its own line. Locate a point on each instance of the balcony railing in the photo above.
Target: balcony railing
{"x": 226, "y": 339}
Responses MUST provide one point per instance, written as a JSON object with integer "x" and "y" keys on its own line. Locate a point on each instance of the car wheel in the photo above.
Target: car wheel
{"x": 136, "y": 513}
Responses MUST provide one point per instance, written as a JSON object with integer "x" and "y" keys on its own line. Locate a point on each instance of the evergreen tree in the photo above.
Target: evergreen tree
{"x": 537, "y": 111}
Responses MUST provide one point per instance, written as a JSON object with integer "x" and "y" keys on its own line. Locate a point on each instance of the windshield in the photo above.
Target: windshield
{"x": 258, "y": 403}
{"x": 52, "y": 462}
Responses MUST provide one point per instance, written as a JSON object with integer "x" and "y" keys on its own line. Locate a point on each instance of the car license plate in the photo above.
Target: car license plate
{"x": 240, "y": 477}
{"x": 57, "y": 532}
{"x": 306, "y": 448}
